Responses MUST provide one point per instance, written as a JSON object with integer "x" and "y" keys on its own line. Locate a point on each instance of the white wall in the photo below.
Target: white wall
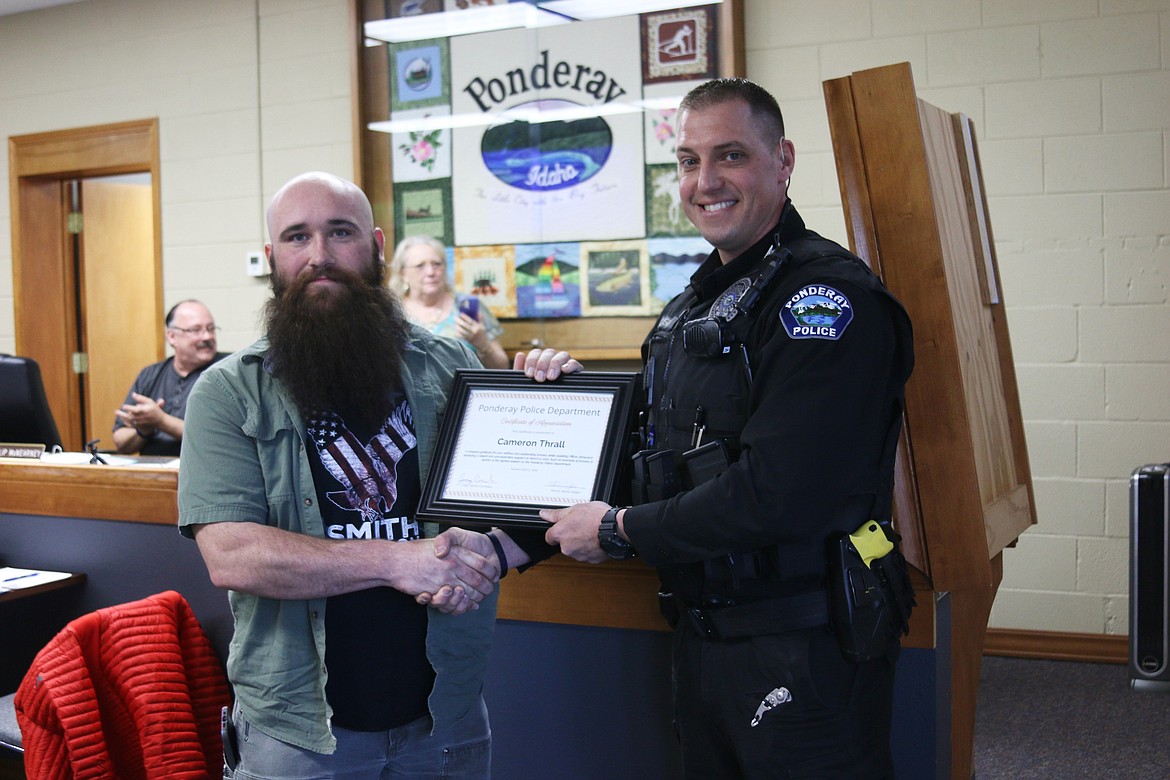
{"x": 1071, "y": 103}
{"x": 247, "y": 94}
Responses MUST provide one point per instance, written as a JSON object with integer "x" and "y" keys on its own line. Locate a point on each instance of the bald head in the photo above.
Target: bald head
{"x": 318, "y": 220}
{"x": 321, "y": 187}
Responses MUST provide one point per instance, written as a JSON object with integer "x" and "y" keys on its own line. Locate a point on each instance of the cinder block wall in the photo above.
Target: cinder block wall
{"x": 247, "y": 95}
{"x": 1071, "y": 103}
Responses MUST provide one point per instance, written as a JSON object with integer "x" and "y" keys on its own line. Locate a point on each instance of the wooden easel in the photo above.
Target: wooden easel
{"x": 914, "y": 203}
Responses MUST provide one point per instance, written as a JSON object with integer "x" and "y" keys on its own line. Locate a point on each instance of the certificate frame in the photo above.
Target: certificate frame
{"x": 440, "y": 502}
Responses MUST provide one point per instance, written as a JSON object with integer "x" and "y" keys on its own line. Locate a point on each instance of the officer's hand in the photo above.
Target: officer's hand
{"x": 458, "y": 578}
{"x": 472, "y": 548}
{"x": 546, "y": 364}
{"x": 574, "y": 529}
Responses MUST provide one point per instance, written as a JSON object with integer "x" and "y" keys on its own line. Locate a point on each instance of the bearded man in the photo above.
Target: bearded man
{"x": 360, "y": 644}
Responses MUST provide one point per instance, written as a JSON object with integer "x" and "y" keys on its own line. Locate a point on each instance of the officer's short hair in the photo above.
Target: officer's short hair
{"x": 764, "y": 107}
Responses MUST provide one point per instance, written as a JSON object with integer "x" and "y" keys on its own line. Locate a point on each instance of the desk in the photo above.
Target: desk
{"x": 144, "y": 494}
{"x": 17, "y": 594}
{"x": 29, "y": 618}
{"x": 611, "y": 595}
{"x": 582, "y": 636}
{"x": 117, "y": 524}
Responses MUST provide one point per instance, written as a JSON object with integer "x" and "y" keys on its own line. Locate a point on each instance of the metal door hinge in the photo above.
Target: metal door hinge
{"x": 73, "y": 222}
{"x": 80, "y": 362}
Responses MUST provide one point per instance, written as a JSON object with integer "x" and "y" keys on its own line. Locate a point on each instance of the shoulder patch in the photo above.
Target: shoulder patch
{"x": 816, "y": 312}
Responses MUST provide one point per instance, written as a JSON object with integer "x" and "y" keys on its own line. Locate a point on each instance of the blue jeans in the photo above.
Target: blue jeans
{"x": 460, "y": 751}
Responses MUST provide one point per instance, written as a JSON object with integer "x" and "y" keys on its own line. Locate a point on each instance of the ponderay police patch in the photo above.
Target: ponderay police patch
{"x": 816, "y": 312}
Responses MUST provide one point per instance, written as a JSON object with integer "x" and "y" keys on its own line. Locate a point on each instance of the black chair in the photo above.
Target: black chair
{"x": 25, "y": 417}
{"x": 10, "y": 739}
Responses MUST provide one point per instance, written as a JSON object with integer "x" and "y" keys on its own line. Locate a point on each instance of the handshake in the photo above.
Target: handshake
{"x": 462, "y": 569}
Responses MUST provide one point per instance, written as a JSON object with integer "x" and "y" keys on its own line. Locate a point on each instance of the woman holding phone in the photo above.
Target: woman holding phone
{"x": 418, "y": 273}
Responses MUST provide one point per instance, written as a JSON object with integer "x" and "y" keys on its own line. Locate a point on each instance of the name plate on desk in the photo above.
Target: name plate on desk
{"x": 509, "y": 446}
{"x": 30, "y": 451}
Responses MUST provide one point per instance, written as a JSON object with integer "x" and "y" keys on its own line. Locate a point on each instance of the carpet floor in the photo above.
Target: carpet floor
{"x": 1065, "y": 720}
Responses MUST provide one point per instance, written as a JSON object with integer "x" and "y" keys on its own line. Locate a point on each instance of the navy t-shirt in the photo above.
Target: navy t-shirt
{"x": 368, "y": 487}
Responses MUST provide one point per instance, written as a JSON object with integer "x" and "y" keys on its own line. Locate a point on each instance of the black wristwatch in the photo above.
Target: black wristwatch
{"x": 607, "y": 536}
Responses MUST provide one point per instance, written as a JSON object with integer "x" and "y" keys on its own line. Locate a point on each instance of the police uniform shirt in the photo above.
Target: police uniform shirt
{"x": 805, "y": 405}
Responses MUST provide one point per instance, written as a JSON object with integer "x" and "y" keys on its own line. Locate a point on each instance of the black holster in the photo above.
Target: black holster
{"x": 870, "y": 605}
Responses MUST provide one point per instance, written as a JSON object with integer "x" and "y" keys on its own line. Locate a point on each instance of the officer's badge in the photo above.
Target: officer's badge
{"x": 724, "y": 306}
{"x": 816, "y": 312}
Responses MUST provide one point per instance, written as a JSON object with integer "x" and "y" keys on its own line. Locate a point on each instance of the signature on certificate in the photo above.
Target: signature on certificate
{"x": 476, "y": 480}
{"x": 565, "y": 485}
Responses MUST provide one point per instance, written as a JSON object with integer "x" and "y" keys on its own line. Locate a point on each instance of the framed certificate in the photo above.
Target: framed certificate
{"x": 509, "y": 447}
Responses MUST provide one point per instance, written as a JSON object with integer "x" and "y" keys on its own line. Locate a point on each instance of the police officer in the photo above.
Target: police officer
{"x": 774, "y": 386}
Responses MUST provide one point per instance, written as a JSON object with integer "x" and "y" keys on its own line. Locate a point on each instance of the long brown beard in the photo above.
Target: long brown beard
{"x": 338, "y": 349}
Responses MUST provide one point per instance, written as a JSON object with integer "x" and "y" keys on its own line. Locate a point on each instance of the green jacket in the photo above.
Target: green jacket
{"x": 244, "y": 460}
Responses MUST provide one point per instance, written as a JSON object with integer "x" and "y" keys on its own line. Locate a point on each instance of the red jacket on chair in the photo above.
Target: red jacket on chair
{"x": 129, "y": 691}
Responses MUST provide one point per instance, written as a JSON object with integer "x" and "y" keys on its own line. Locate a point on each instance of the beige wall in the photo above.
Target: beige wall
{"x": 247, "y": 94}
{"x": 1071, "y": 100}
{"x": 1071, "y": 103}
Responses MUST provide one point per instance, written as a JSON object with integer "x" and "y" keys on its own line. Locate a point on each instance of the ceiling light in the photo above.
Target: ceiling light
{"x": 435, "y": 122}
{"x": 567, "y": 113}
{"x": 471, "y": 20}
{"x": 590, "y": 10}
{"x": 664, "y": 103}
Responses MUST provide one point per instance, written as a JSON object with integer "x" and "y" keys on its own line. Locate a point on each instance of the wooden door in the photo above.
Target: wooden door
{"x": 45, "y": 286}
{"x": 117, "y": 272}
{"x": 44, "y": 297}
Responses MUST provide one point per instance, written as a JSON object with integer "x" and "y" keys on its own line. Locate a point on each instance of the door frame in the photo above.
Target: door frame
{"x": 45, "y": 304}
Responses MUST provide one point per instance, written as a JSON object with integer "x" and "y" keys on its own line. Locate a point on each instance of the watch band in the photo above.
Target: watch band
{"x": 608, "y": 538}
{"x": 499, "y": 548}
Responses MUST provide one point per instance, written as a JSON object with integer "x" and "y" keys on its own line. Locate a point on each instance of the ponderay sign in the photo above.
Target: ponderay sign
{"x": 549, "y": 155}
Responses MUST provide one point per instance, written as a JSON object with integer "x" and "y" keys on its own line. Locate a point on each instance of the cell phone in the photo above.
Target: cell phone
{"x": 231, "y": 745}
{"x": 470, "y": 307}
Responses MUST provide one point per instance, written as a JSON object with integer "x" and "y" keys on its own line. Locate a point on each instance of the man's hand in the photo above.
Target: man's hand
{"x": 472, "y": 546}
{"x": 274, "y": 563}
{"x": 145, "y": 414}
{"x": 472, "y": 549}
{"x": 462, "y": 571}
{"x": 546, "y": 364}
{"x": 574, "y": 529}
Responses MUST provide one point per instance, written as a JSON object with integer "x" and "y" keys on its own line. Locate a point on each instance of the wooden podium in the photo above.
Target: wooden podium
{"x": 912, "y": 191}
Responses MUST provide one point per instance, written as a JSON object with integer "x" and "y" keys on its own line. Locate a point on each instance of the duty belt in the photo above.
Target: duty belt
{"x": 760, "y": 618}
